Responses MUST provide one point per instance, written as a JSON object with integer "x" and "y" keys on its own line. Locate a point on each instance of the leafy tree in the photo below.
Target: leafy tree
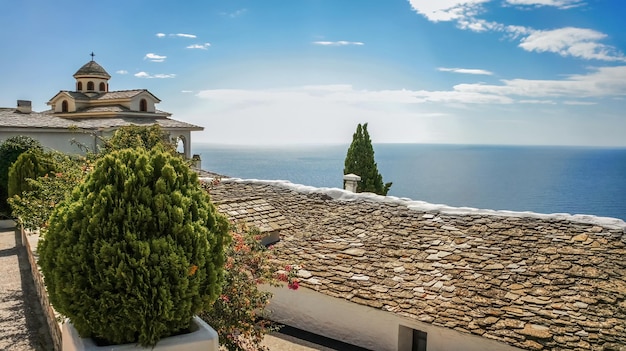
{"x": 139, "y": 136}
{"x": 10, "y": 150}
{"x": 360, "y": 161}
{"x": 136, "y": 250}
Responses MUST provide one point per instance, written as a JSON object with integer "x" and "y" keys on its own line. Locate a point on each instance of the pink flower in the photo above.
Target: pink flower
{"x": 293, "y": 285}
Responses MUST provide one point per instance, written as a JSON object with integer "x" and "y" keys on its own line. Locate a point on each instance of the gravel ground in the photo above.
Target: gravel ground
{"x": 22, "y": 325}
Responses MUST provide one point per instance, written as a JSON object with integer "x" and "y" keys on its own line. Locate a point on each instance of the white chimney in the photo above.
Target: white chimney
{"x": 24, "y": 106}
{"x": 350, "y": 182}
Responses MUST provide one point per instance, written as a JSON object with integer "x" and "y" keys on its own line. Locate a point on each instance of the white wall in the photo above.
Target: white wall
{"x": 364, "y": 326}
{"x": 60, "y": 141}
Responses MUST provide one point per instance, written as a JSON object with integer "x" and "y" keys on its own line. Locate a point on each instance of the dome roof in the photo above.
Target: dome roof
{"x": 92, "y": 69}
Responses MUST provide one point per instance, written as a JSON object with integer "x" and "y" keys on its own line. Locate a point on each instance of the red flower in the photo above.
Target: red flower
{"x": 294, "y": 285}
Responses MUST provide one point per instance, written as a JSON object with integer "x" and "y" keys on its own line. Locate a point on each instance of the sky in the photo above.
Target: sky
{"x": 525, "y": 72}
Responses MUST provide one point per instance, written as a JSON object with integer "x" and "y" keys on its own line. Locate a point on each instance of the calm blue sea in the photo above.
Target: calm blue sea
{"x": 575, "y": 180}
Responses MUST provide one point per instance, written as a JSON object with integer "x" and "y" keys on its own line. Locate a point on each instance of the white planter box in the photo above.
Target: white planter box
{"x": 202, "y": 338}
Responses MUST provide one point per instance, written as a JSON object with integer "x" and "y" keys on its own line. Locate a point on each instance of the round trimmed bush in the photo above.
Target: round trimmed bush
{"x": 29, "y": 165}
{"x": 10, "y": 150}
{"x": 136, "y": 250}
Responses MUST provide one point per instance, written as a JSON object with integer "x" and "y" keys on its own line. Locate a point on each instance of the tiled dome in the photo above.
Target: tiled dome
{"x": 92, "y": 69}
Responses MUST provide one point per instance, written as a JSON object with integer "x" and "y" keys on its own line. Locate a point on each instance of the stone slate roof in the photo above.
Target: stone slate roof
{"x": 254, "y": 212}
{"x": 47, "y": 119}
{"x": 534, "y": 283}
{"x": 92, "y": 68}
{"x": 109, "y": 95}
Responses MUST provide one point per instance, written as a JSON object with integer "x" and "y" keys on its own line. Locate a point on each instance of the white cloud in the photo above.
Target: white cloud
{"x": 186, "y": 91}
{"x": 569, "y": 41}
{"x": 465, "y": 71}
{"x": 234, "y": 14}
{"x": 199, "y": 46}
{"x": 154, "y": 57}
{"x": 580, "y": 103}
{"x": 338, "y": 43}
{"x": 122, "y": 71}
{"x": 561, "y": 4}
{"x": 447, "y": 10}
{"x": 183, "y": 35}
{"x": 179, "y": 35}
{"x": 143, "y": 74}
{"x": 546, "y": 102}
{"x": 346, "y": 94}
{"x": 601, "y": 82}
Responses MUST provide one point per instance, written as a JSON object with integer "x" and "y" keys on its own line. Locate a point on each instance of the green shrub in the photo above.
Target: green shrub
{"x": 29, "y": 165}
{"x": 35, "y": 204}
{"x": 136, "y": 250}
{"x": 139, "y": 137}
{"x": 10, "y": 150}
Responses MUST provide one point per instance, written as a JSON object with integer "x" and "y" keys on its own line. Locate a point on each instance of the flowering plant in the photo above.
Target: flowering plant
{"x": 34, "y": 206}
{"x": 239, "y": 314}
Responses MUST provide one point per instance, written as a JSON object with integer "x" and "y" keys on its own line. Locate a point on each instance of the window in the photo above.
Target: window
{"x": 143, "y": 105}
{"x": 90, "y": 86}
{"x": 102, "y": 86}
{"x": 64, "y": 106}
{"x": 79, "y": 86}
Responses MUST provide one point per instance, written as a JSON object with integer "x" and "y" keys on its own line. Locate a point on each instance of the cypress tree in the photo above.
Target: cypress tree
{"x": 360, "y": 161}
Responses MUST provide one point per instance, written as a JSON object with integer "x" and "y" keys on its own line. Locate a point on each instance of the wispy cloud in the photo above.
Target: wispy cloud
{"x": 199, "y": 46}
{"x": 580, "y": 103}
{"x": 234, "y": 14}
{"x": 599, "y": 83}
{"x": 186, "y": 91}
{"x": 466, "y": 71}
{"x": 183, "y": 35}
{"x": 576, "y": 42}
{"x": 154, "y": 57}
{"x": 561, "y": 4}
{"x": 122, "y": 71}
{"x": 569, "y": 41}
{"x": 540, "y": 102}
{"x": 179, "y": 35}
{"x": 143, "y": 74}
{"x": 338, "y": 43}
{"x": 448, "y": 10}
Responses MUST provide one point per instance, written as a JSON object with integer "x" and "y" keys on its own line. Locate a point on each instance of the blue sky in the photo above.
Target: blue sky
{"x": 548, "y": 72}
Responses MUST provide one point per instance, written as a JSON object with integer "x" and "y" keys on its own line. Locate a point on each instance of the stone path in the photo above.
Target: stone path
{"x": 22, "y": 326}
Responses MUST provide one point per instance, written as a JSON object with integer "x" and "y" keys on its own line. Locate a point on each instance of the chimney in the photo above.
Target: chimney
{"x": 350, "y": 182}
{"x": 24, "y": 106}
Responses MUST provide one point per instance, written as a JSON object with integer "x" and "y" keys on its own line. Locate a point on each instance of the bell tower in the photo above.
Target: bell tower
{"x": 92, "y": 79}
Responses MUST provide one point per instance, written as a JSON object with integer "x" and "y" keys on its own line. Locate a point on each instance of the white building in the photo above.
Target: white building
{"x": 91, "y": 111}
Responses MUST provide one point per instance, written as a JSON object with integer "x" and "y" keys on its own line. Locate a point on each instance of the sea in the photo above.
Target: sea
{"x": 542, "y": 179}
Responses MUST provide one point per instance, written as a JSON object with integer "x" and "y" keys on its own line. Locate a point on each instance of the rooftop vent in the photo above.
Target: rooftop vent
{"x": 24, "y": 106}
